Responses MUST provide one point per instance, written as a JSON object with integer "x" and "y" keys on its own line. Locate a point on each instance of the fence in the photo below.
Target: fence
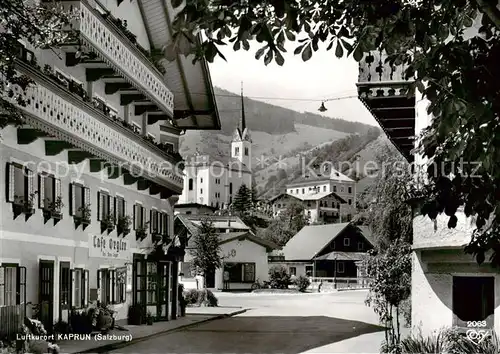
{"x": 339, "y": 283}
{"x": 12, "y": 319}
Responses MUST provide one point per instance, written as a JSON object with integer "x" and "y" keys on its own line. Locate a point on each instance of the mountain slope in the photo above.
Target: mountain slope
{"x": 352, "y": 155}
{"x": 275, "y": 130}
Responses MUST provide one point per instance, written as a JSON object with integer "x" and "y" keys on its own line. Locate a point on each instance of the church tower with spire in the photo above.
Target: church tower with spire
{"x": 241, "y": 144}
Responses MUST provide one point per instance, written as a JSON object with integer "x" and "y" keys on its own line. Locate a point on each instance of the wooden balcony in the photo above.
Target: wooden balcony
{"x": 389, "y": 98}
{"x": 52, "y": 110}
{"x": 117, "y": 52}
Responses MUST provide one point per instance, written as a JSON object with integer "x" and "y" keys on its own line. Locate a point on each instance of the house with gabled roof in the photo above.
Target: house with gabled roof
{"x": 332, "y": 250}
{"x": 244, "y": 255}
{"x": 327, "y": 207}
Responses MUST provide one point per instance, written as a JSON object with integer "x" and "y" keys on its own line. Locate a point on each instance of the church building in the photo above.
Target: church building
{"x": 215, "y": 180}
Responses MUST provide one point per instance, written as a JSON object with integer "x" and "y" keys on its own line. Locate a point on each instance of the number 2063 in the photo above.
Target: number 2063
{"x": 476, "y": 324}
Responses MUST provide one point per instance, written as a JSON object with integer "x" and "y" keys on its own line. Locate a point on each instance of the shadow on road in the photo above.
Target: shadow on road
{"x": 245, "y": 334}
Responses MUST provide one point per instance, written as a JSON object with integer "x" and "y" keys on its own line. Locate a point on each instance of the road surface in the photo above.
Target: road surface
{"x": 273, "y": 324}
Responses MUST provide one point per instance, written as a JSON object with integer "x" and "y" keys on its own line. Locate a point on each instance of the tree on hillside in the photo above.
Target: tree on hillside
{"x": 386, "y": 209}
{"x": 206, "y": 252}
{"x": 39, "y": 26}
{"x": 289, "y": 222}
{"x": 456, "y": 71}
{"x": 245, "y": 207}
{"x": 294, "y": 216}
{"x": 243, "y": 201}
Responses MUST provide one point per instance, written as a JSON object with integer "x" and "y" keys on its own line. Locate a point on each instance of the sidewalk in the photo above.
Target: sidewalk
{"x": 367, "y": 343}
{"x": 194, "y": 316}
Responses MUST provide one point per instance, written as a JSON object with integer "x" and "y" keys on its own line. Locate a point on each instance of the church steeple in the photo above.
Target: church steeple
{"x": 241, "y": 144}
{"x": 243, "y": 123}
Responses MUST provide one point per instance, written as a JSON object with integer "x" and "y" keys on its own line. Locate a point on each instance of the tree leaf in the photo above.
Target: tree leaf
{"x": 290, "y": 35}
{"x": 269, "y": 57}
{"x": 281, "y": 38}
{"x": 307, "y": 53}
{"x": 347, "y": 46}
{"x": 339, "y": 51}
{"x": 237, "y": 45}
{"x": 298, "y": 49}
{"x": 279, "y": 58}
{"x": 260, "y": 52}
{"x": 357, "y": 54}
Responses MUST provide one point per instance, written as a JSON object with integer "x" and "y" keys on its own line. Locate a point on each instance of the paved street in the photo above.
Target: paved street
{"x": 273, "y": 324}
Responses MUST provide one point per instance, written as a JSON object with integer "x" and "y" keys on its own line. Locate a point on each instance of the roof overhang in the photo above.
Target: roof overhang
{"x": 396, "y": 116}
{"x": 195, "y": 106}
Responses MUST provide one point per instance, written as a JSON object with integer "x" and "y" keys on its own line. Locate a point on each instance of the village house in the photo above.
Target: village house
{"x": 325, "y": 207}
{"x": 244, "y": 256}
{"x": 193, "y": 209}
{"x": 326, "y": 180}
{"x": 333, "y": 251}
{"x": 446, "y": 282}
{"x": 92, "y": 176}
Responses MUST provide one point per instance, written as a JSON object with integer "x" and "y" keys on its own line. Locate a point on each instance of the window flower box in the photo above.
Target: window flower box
{"x": 142, "y": 232}
{"x": 83, "y": 216}
{"x": 123, "y": 225}
{"x": 22, "y": 205}
{"x": 54, "y": 210}
{"x": 108, "y": 223}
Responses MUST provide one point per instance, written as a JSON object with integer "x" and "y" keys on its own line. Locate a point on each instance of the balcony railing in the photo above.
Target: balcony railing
{"x": 378, "y": 78}
{"x": 121, "y": 54}
{"x": 64, "y": 115}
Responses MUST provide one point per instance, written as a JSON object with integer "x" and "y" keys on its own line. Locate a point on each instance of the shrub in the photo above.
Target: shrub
{"x": 202, "y": 297}
{"x": 302, "y": 283}
{"x": 450, "y": 341}
{"x": 279, "y": 277}
{"x": 191, "y": 296}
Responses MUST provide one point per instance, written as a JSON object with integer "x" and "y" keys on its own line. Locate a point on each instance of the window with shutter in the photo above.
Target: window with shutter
{"x": 99, "y": 206}
{"x": 78, "y": 200}
{"x": 144, "y": 216}
{"x": 78, "y": 288}
{"x": 18, "y": 182}
{"x": 86, "y": 289}
{"x": 41, "y": 189}
{"x": 111, "y": 203}
{"x": 165, "y": 223}
{"x": 135, "y": 217}
{"x": 11, "y": 170}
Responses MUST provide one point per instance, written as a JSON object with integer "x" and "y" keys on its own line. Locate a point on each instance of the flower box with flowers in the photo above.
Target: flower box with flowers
{"x": 24, "y": 205}
{"x": 108, "y": 223}
{"x": 123, "y": 225}
{"x": 142, "y": 232}
{"x": 82, "y": 216}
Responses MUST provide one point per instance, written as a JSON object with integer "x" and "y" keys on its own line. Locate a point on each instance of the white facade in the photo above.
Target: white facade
{"x": 334, "y": 182}
{"x": 245, "y": 255}
{"x": 215, "y": 182}
{"x": 86, "y": 196}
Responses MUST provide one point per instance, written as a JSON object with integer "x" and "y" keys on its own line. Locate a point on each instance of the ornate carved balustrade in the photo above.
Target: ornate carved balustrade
{"x": 377, "y": 78}
{"x": 390, "y": 98}
{"x": 65, "y": 116}
{"x": 119, "y": 53}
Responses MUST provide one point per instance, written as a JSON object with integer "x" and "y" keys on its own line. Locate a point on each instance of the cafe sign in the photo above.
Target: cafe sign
{"x": 109, "y": 247}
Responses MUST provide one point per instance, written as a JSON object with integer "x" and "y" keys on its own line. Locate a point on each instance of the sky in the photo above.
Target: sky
{"x": 322, "y": 77}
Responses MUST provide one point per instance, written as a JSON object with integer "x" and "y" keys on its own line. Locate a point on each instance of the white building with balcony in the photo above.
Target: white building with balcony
{"x": 449, "y": 288}
{"x": 92, "y": 176}
{"x": 327, "y": 181}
